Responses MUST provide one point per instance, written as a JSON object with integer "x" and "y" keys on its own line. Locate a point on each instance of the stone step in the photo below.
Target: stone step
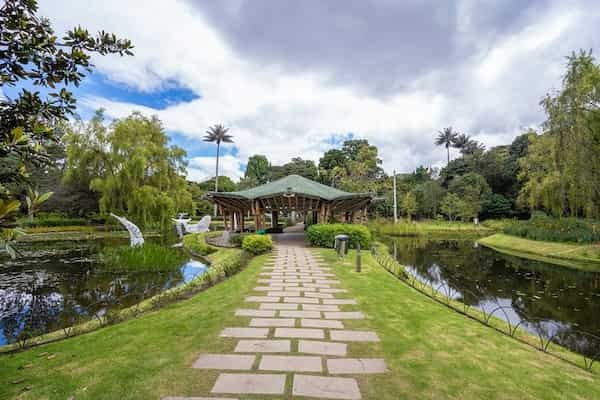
{"x": 300, "y": 314}
{"x": 262, "y": 299}
{"x": 246, "y": 312}
{"x": 250, "y": 384}
{"x": 339, "y": 301}
{"x": 325, "y": 387}
{"x": 344, "y": 315}
{"x": 263, "y": 346}
{"x": 197, "y": 398}
{"x": 290, "y": 363}
{"x": 322, "y": 348}
{"x": 224, "y": 361}
{"x": 300, "y": 333}
{"x": 319, "y": 307}
{"x": 321, "y": 323}
{"x": 259, "y": 333}
{"x": 278, "y": 306}
{"x": 319, "y": 295}
{"x": 353, "y": 336}
{"x": 356, "y": 365}
{"x": 303, "y": 300}
{"x": 272, "y": 322}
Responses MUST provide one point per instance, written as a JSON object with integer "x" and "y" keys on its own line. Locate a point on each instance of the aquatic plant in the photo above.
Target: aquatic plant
{"x": 148, "y": 257}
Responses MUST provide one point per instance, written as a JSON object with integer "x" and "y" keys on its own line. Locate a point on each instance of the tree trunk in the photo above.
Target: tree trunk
{"x": 447, "y": 150}
{"x": 217, "y": 174}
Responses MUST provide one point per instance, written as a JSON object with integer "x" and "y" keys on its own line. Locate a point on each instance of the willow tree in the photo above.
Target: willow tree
{"x": 562, "y": 170}
{"x": 132, "y": 166}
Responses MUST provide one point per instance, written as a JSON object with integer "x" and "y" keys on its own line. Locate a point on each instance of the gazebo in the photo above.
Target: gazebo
{"x": 292, "y": 193}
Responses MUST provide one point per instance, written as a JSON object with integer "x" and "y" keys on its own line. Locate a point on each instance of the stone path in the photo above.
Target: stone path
{"x": 296, "y": 343}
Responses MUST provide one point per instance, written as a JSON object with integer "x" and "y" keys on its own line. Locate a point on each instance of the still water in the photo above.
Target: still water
{"x": 56, "y": 285}
{"x": 548, "y": 300}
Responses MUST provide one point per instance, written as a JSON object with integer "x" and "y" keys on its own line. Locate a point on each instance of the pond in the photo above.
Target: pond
{"x": 555, "y": 302}
{"x": 56, "y": 285}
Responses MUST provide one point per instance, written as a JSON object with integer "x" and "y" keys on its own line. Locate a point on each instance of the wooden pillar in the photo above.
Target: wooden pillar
{"x": 242, "y": 216}
{"x": 274, "y": 219}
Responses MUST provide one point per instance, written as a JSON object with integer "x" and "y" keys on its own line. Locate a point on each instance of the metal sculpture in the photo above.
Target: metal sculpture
{"x": 135, "y": 234}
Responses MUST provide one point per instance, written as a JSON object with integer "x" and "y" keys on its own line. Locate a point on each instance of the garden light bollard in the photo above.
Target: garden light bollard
{"x": 358, "y": 258}
{"x": 341, "y": 245}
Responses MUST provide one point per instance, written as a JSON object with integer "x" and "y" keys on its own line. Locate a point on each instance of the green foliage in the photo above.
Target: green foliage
{"x": 566, "y": 229}
{"x": 258, "y": 169}
{"x": 225, "y": 185}
{"x": 450, "y": 206}
{"x": 257, "y": 244}
{"x": 132, "y": 167}
{"x": 297, "y": 166}
{"x": 236, "y": 239}
{"x": 562, "y": 169}
{"x": 497, "y": 206}
{"x": 147, "y": 257}
{"x": 48, "y": 220}
{"x": 33, "y": 56}
{"x": 409, "y": 205}
{"x": 196, "y": 242}
{"x": 323, "y": 235}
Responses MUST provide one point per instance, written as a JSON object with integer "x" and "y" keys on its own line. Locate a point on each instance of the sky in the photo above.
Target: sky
{"x": 296, "y": 78}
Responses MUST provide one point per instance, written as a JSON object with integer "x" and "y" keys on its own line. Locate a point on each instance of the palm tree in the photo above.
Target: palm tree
{"x": 218, "y": 134}
{"x": 446, "y": 137}
{"x": 461, "y": 141}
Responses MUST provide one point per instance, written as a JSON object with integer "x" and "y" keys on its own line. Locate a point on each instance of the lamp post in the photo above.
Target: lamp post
{"x": 395, "y": 201}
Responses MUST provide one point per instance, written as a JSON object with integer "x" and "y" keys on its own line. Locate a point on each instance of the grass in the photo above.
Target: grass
{"x": 431, "y": 352}
{"x": 196, "y": 243}
{"x": 579, "y": 256}
{"x": 77, "y": 235}
{"x": 147, "y": 257}
{"x": 426, "y": 227}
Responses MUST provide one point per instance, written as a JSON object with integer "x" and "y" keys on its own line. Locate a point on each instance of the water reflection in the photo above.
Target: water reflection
{"x": 555, "y": 302}
{"x": 51, "y": 288}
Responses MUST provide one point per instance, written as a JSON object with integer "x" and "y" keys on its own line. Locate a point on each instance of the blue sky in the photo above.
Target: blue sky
{"x": 296, "y": 78}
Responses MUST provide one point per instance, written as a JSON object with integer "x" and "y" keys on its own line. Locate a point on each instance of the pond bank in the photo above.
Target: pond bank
{"x": 428, "y": 228}
{"x": 583, "y": 257}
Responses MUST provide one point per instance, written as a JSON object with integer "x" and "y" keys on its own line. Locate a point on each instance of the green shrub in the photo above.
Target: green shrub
{"x": 147, "y": 257}
{"x": 52, "y": 220}
{"x": 196, "y": 242}
{"x": 257, "y": 244}
{"x": 323, "y": 235}
{"x": 567, "y": 229}
{"x": 236, "y": 239}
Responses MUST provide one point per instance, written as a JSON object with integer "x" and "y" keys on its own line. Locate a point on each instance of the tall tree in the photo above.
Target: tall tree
{"x": 217, "y": 134}
{"x": 257, "y": 169}
{"x": 133, "y": 168}
{"x": 446, "y": 138}
{"x": 32, "y": 55}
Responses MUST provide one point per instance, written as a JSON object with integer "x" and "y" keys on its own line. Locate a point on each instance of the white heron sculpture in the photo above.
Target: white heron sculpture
{"x": 183, "y": 226}
{"x": 135, "y": 234}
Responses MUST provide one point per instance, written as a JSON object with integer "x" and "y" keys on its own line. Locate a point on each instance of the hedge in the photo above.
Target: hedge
{"x": 196, "y": 242}
{"x": 566, "y": 229}
{"x": 323, "y": 235}
{"x": 257, "y": 244}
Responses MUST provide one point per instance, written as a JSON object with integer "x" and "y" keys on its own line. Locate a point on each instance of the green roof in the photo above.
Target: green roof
{"x": 297, "y": 184}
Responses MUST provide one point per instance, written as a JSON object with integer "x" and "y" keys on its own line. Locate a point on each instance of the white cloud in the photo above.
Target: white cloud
{"x": 203, "y": 168}
{"x": 492, "y": 94}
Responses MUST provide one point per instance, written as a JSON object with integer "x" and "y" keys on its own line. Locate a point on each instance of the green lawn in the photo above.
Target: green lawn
{"x": 585, "y": 257}
{"x": 426, "y": 227}
{"x": 432, "y": 352}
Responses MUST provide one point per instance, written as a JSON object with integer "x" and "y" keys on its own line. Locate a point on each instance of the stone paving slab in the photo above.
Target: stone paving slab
{"x": 322, "y": 348}
{"x": 319, "y": 295}
{"x": 197, "y": 398}
{"x": 339, "y": 301}
{"x": 327, "y": 282}
{"x": 270, "y": 281}
{"x": 344, "y": 315}
{"x": 356, "y": 365}
{"x": 263, "y": 346}
{"x": 304, "y": 300}
{"x": 245, "y": 312}
{"x": 319, "y": 307}
{"x": 321, "y": 323}
{"x": 286, "y": 293}
{"x": 332, "y": 290}
{"x": 354, "y": 336}
{"x": 291, "y": 363}
{"x": 300, "y": 314}
{"x": 250, "y": 384}
{"x": 301, "y": 333}
{"x": 324, "y": 387}
{"x": 278, "y": 306}
{"x": 260, "y": 333}
{"x": 267, "y": 322}
{"x": 224, "y": 361}
{"x": 262, "y": 299}
{"x": 268, "y": 288}
{"x": 317, "y": 285}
